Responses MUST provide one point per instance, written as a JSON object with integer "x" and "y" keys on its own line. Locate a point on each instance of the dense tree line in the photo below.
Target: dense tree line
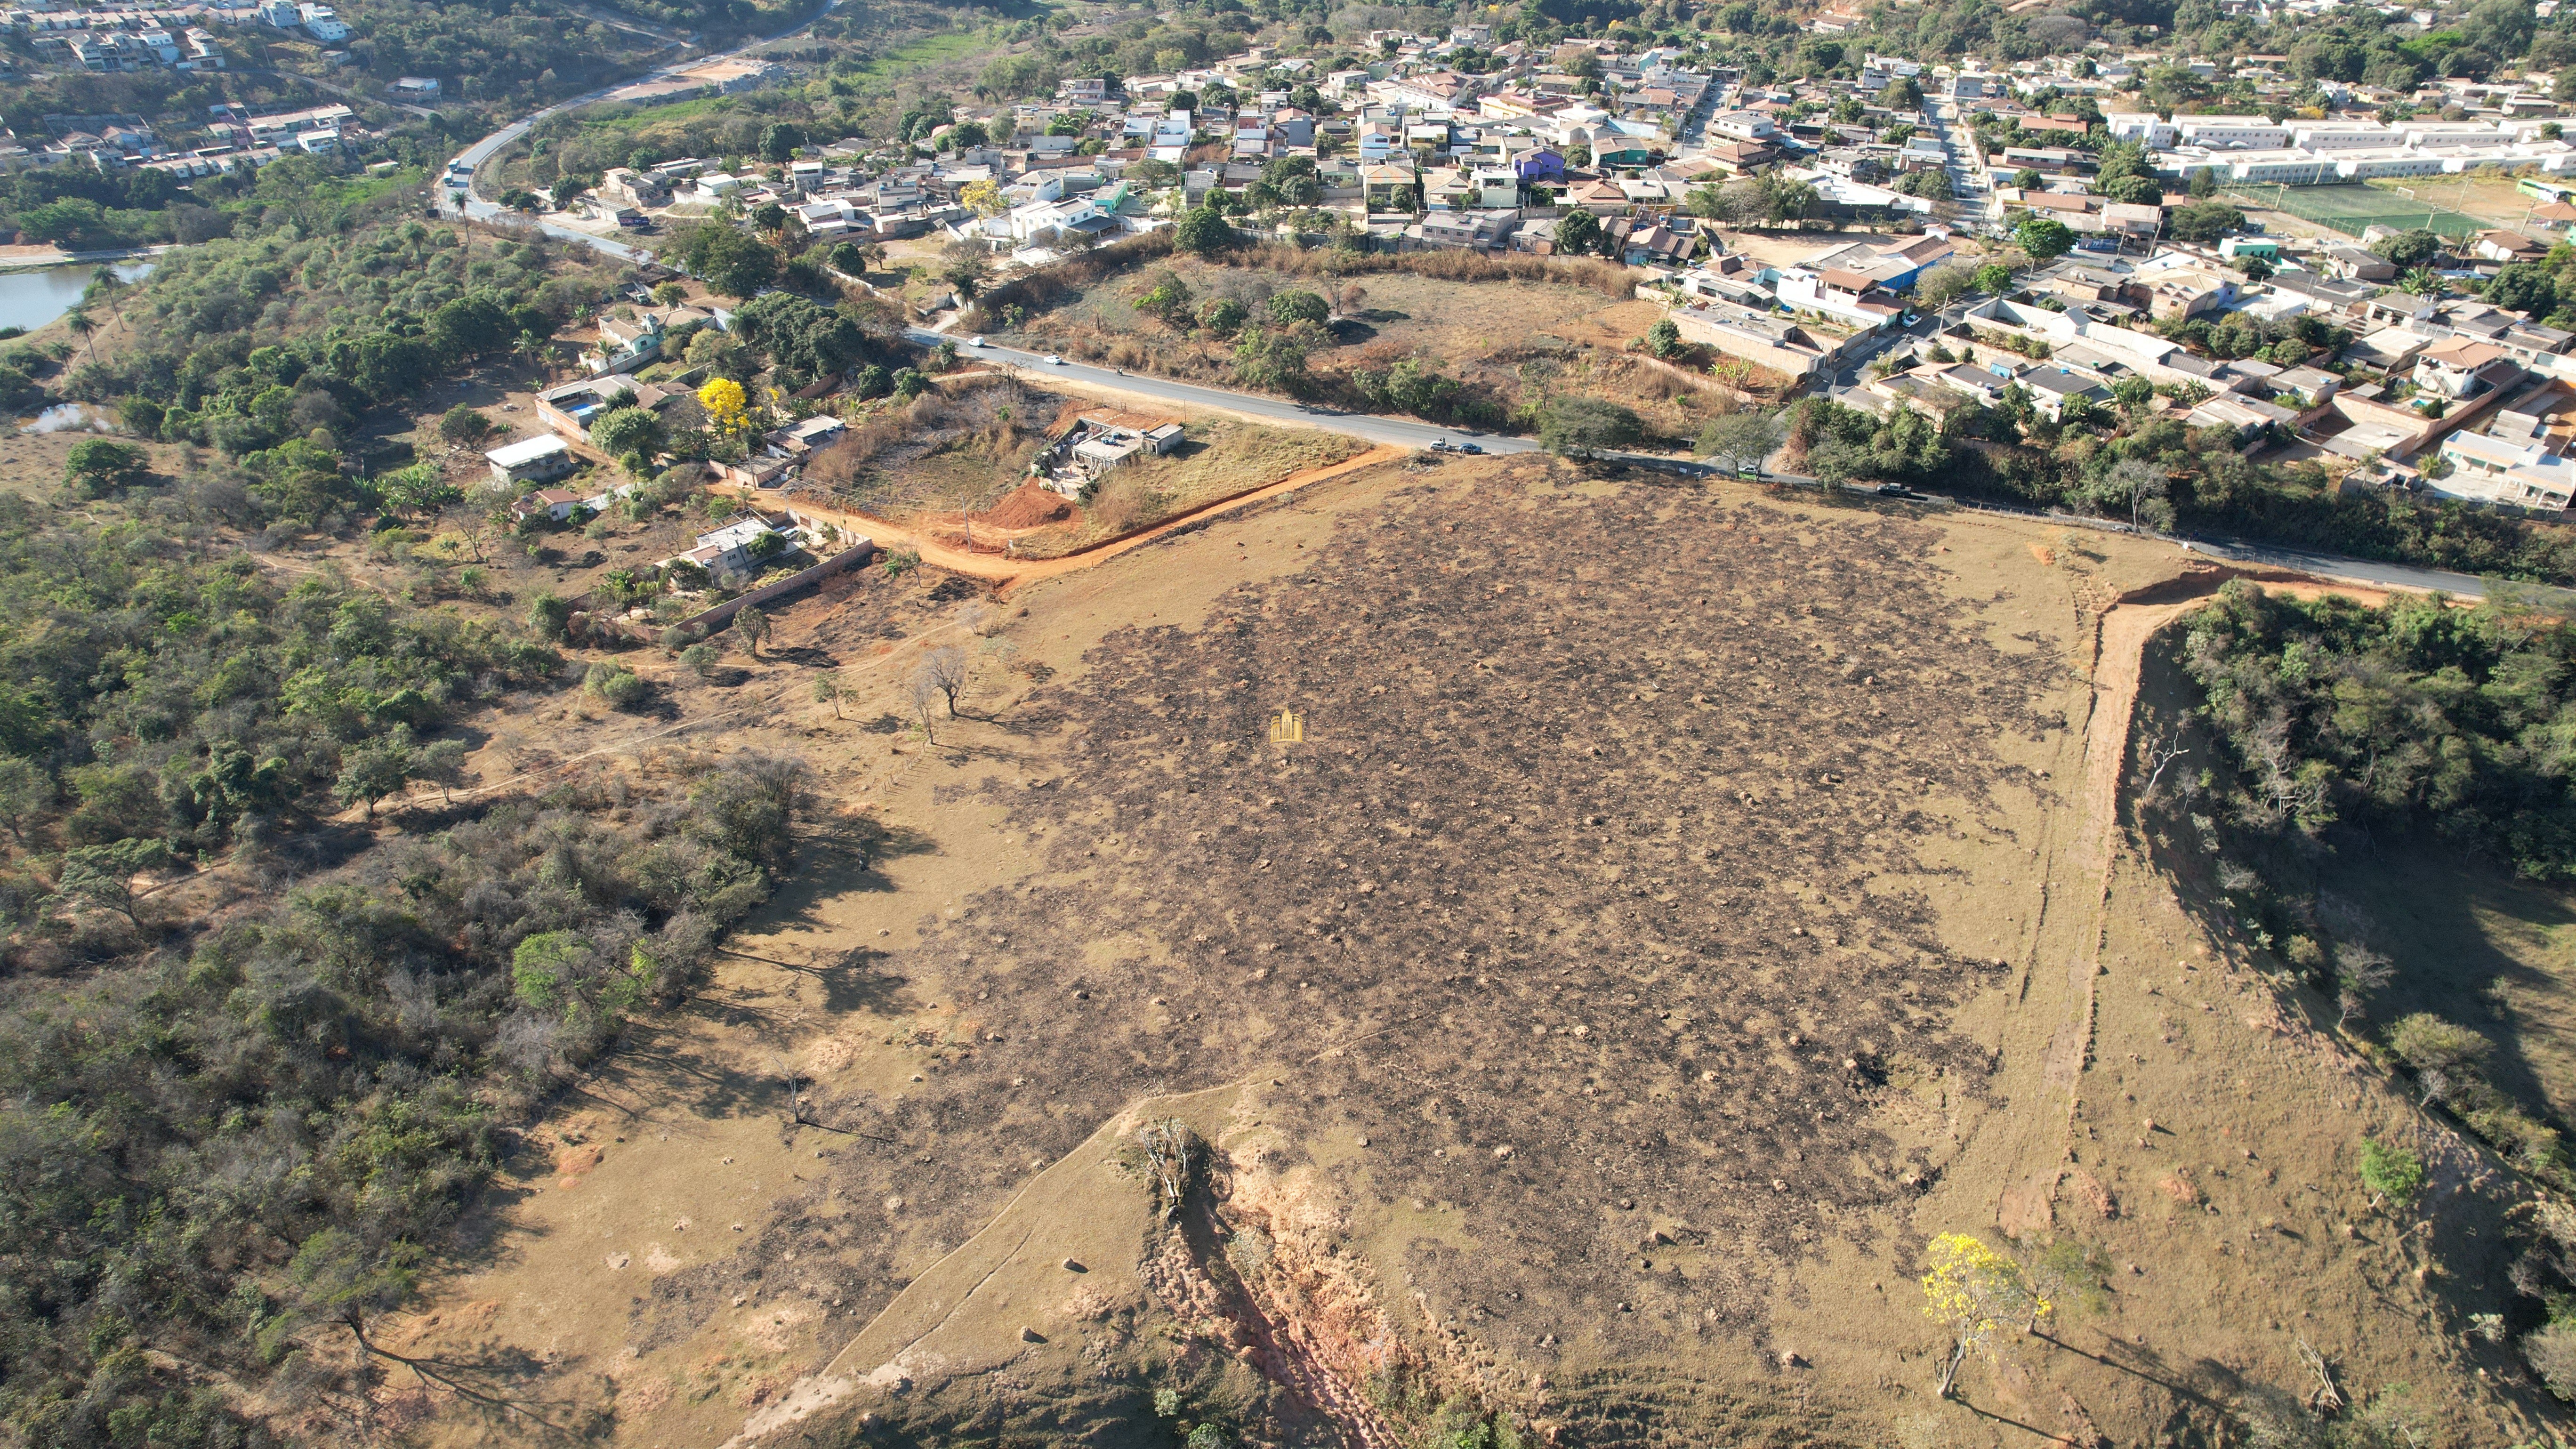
{"x": 267, "y": 345}
{"x": 220, "y": 1158}
{"x": 159, "y": 693}
{"x": 2414, "y": 714}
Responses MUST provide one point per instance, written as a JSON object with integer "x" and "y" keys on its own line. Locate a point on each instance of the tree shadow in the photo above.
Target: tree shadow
{"x": 2139, "y": 1361}
{"x": 661, "y": 1066}
{"x": 497, "y": 1386}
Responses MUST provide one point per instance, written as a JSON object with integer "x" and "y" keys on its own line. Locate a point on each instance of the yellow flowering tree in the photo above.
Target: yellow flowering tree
{"x": 724, "y": 401}
{"x": 984, "y": 198}
{"x": 1974, "y": 1290}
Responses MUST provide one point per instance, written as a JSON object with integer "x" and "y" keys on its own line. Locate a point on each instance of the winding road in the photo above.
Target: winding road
{"x": 479, "y": 208}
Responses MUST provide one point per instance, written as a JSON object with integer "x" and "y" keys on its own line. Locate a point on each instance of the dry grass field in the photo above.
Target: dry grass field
{"x": 1506, "y": 344}
{"x": 1682, "y": 905}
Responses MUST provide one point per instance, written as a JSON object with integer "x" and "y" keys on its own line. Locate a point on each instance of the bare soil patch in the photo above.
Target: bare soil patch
{"x": 1664, "y": 926}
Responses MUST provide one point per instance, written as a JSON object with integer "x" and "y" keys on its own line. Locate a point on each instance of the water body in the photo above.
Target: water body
{"x": 30, "y": 299}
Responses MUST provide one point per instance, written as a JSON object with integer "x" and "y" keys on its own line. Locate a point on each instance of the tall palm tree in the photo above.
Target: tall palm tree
{"x": 105, "y": 283}
{"x": 83, "y": 328}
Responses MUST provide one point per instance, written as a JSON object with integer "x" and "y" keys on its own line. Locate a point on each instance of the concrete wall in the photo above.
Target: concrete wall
{"x": 722, "y": 614}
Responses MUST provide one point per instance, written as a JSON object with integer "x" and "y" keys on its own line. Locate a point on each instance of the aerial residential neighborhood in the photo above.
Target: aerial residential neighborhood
{"x": 1245, "y": 724}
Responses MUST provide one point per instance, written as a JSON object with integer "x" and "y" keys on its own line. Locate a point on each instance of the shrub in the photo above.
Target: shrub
{"x": 2429, "y": 1044}
{"x": 2551, "y": 1352}
{"x": 619, "y": 687}
{"x": 464, "y": 426}
{"x": 2393, "y": 1173}
{"x": 549, "y": 616}
{"x": 1578, "y": 427}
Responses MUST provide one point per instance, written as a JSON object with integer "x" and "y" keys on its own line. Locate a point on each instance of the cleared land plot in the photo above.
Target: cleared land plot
{"x": 1508, "y": 342}
{"x": 1222, "y": 458}
{"x": 963, "y": 450}
{"x": 1664, "y": 927}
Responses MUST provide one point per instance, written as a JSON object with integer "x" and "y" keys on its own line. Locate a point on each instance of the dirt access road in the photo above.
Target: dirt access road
{"x": 1010, "y": 573}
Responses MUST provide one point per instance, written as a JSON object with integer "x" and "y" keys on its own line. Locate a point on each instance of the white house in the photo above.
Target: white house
{"x": 738, "y": 546}
{"x": 322, "y": 23}
{"x": 2502, "y": 470}
{"x": 532, "y": 460}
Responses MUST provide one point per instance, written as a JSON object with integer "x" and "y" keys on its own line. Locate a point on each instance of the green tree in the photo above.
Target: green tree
{"x": 781, "y": 141}
{"x": 549, "y": 616}
{"x": 2392, "y": 1173}
{"x": 1203, "y": 231}
{"x": 629, "y": 434}
{"x": 1664, "y": 338}
{"x": 1577, "y": 232}
{"x": 2407, "y": 249}
{"x": 102, "y": 876}
{"x": 464, "y": 427}
{"x": 374, "y": 770}
{"x": 2529, "y": 287}
{"x": 1944, "y": 284}
{"x": 1994, "y": 278}
{"x": 1292, "y": 307}
{"x": 1169, "y": 299}
{"x": 751, "y": 626}
{"x": 1223, "y": 316}
{"x": 96, "y": 467}
{"x": 732, "y": 261}
{"x": 2205, "y": 222}
{"x": 418, "y": 489}
{"x": 618, "y": 687}
{"x": 339, "y": 1277}
{"x": 2043, "y": 237}
{"x": 1736, "y": 441}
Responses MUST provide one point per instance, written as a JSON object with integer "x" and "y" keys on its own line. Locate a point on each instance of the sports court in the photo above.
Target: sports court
{"x": 2353, "y": 209}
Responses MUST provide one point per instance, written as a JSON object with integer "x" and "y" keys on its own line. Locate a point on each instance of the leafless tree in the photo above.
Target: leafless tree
{"x": 924, "y": 696}
{"x": 1173, "y": 1158}
{"x": 2160, "y": 753}
{"x": 944, "y": 670}
{"x": 2359, "y": 971}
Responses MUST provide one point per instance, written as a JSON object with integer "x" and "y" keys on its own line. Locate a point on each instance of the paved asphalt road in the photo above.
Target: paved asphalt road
{"x": 474, "y": 155}
{"x": 1402, "y": 432}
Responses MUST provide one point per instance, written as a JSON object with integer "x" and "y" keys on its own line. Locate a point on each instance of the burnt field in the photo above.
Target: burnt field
{"x": 1584, "y": 934}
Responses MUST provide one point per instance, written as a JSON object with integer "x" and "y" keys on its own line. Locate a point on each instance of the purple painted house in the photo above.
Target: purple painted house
{"x": 1542, "y": 168}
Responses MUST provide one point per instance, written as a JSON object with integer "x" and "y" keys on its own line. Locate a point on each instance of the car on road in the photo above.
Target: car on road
{"x": 974, "y": 341}
{"x": 1471, "y": 447}
{"x": 1896, "y": 490}
{"x": 1054, "y": 361}
{"x": 1442, "y": 445}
